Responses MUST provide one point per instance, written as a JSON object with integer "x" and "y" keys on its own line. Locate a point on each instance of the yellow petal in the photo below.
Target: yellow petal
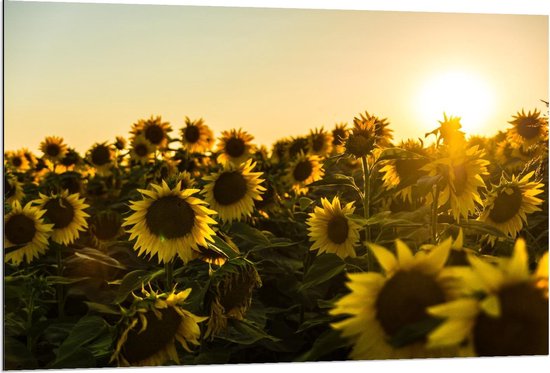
{"x": 404, "y": 254}
{"x": 387, "y": 260}
{"x": 459, "y": 242}
{"x": 460, "y": 308}
{"x": 517, "y": 266}
{"x": 542, "y": 267}
{"x": 491, "y": 276}
{"x": 435, "y": 259}
{"x": 450, "y": 333}
{"x": 491, "y": 306}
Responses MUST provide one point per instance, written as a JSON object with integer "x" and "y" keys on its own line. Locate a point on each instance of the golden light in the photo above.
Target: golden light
{"x": 460, "y": 94}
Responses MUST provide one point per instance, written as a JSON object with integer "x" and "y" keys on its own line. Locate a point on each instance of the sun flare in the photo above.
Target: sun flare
{"x": 458, "y": 93}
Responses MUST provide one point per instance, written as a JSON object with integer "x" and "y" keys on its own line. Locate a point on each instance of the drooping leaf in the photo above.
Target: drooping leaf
{"x": 323, "y": 268}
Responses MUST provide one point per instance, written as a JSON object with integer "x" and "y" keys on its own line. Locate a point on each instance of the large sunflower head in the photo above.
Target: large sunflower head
{"x": 196, "y": 137}
{"x": 105, "y": 227}
{"x": 141, "y": 149}
{"x": 461, "y": 178}
{"x": 13, "y": 189}
{"x": 53, "y": 148}
{"x": 25, "y": 233}
{"x": 528, "y": 129}
{"x": 320, "y": 142}
{"x": 507, "y": 204}
{"x": 235, "y": 146}
{"x": 504, "y": 312}
{"x": 332, "y": 229}
{"x": 153, "y": 326}
{"x": 386, "y": 311}
{"x": 66, "y": 212}
{"x": 232, "y": 191}
{"x": 230, "y": 294}
{"x": 154, "y": 130}
{"x": 169, "y": 222}
{"x": 303, "y": 170}
{"x": 16, "y": 161}
{"x": 101, "y": 156}
{"x": 362, "y": 138}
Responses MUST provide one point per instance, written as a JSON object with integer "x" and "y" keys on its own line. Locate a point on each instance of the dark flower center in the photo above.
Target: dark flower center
{"x": 17, "y": 161}
{"x": 461, "y": 178}
{"x": 235, "y": 147}
{"x": 521, "y": 329}
{"x": 402, "y": 301}
{"x": 528, "y": 127}
{"x": 506, "y": 206}
{"x": 20, "y": 229}
{"x": 338, "y": 136}
{"x": 154, "y": 133}
{"x": 408, "y": 170}
{"x": 70, "y": 158}
{"x": 53, "y": 150}
{"x": 158, "y": 334}
{"x": 101, "y": 155}
{"x": 141, "y": 150}
{"x": 317, "y": 142}
{"x": 71, "y": 182}
{"x": 170, "y": 217}
{"x": 192, "y": 134}
{"x": 106, "y": 226}
{"x": 60, "y": 212}
{"x": 302, "y": 170}
{"x": 337, "y": 229}
{"x": 360, "y": 144}
{"x": 229, "y": 188}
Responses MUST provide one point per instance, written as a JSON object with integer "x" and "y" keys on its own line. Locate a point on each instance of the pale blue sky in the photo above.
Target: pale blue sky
{"x": 88, "y": 71}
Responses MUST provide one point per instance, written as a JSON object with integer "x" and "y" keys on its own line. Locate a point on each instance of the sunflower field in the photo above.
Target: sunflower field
{"x": 175, "y": 246}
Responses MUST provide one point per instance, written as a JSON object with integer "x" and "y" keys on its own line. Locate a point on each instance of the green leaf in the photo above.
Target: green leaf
{"x": 481, "y": 227}
{"x": 54, "y": 280}
{"x": 83, "y": 333}
{"x": 397, "y": 153}
{"x": 134, "y": 280}
{"x": 77, "y": 358}
{"x": 327, "y": 342}
{"x": 102, "y": 308}
{"x": 335, "y": 180}
{"x": 305, "y": 202}
{"x": 414, "y": 332}
{"x": 16, "y": 355}
{"x": 245, "y": 333}
{"x": 95, "y": 255}
{"x": 248, "y": 233}
{"x": 323, "y": 268}
{"x": 221, "y": 247}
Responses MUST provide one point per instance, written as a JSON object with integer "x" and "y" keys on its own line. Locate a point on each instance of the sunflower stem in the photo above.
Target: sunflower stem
{"x": 169, "y": 270}
{"x": 59, "y": 287}
{"x": 366, "y": 203}
{"x": 435, "y": 202}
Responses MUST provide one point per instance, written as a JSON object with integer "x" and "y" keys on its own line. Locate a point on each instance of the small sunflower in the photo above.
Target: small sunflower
{"x": 185, "y": 180}
{"x": 53, "y": 148}
{"x": 303, "y": 170}
{"x": 152, "y": 326}
{"x": 320, "y": 142}
{"x": 235, "y": 146}
{"x": 528, "y": 129}
{"x": 66, "y": 212}
{"x": 296, "y": 146}
{"x": 332, "y": 230}
{"x": 24, "y": 228}
{"x": 449, "y": 131}
{"x": 362, "y": 138}
{"x": 101, "y": 156}
{"x": 279, "y": 151}
{"x": 381, "y": 307}
{"x": 120, "y": 143}
{"x": 508, "y": 204}
{"x": 339, "y": 136}
{"x": 155, "y": 131}
{"x": 141, "y": 150}
{"x": 506, "y": 312}
{"x": 196, "y": 137}
{"x": 105, "y": 227}
{"x": 17, "y": 161}
{"x": 71, "y": 160}
{"x": 169, "y": 222}
{"x": 13, "y": 189}
{"x": 461, "y": 180}
{"x": 230, "y": 294}
{"x": 232, "y": 191}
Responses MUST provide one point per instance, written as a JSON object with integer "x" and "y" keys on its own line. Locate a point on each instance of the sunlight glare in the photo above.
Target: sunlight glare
{"x": 459, "y": 94}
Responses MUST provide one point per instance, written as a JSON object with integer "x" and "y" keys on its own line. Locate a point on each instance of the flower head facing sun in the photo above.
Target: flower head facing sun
{"x": 528, "y": 129}
{"x": 332, "y": 230}
{"x": 141, "y": 150}
{"x": 196, "y": 137}
{"x": 505, "y": 312}
{"x": 508, "y": 204}
{"x": 154, "y": 130}
{"x": 233, "y": 190}
{"x": 101, "y": 156}
{"x": 169, "y": 222}
{"x": 17, "y": 161}
{"x": 13, "y": 189}
{"x": 235, "y": 147}
{"x": 302, "y": 171}
{"x": 66, "y": 212}
{"x": 381, "y": 307}
{"x": 105, "y": 226}
{"x": 320, "y": 142}
{"x": 25, "y": 232}
{"x": 53, "y": 148}
{"x": 151, "y": 327}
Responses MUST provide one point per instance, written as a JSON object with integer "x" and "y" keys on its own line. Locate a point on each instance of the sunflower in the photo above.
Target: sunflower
{"x": 13, "y": 189}
{"x": 320, "y": 142}
{"x": 120, "y": 143}
{"x": 279, "y": 151}
{"x": 402, "y": 173}
{"x": 449, "y": 131}
{"x": 31, "y": 158}
{"x": 303, "y": 170}
{"x": 141, "y": 149}
{"x": 362, "y": 138}
{"x": 169, "y": 222}
{"x": 509, "y": 202}
{"x": 66, "y": 212}
{"x": 53, "y": 148}
{"x": 381, "y": 308}
{"x": 24, "y": 228}
{"x": 101, "y": 156}
{"x": 296, "y": 146}
{"x": 528, "y": 129}
{"x": 232, "y": 191}
{"x": 196, "y": 137}
{"x": 332, "y": 230}
{"x": 154, "y": 130}
{"x": 235, "y": 146}
{"x": 17, "y": 161}
{"x": 152, "y": 326}
{"x": 506, "y": 313}
{"x": 230, "y": 294}
{"x": 383, "y": 135}
{"x": 461, "y": 177}
{"x": 71, "y": 160}
{"x": 339, "y": 135}
{"x": 185, "y": 180}
{"x": 105, "y": 227}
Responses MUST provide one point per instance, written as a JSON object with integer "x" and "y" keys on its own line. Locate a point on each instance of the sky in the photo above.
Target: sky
{"x": 87, "y": 72}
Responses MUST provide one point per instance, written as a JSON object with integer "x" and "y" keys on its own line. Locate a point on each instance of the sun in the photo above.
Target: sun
{"x": 458, "y": 93}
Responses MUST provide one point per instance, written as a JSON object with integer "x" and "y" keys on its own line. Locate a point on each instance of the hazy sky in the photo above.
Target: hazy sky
{"x": 87, "y": 72}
